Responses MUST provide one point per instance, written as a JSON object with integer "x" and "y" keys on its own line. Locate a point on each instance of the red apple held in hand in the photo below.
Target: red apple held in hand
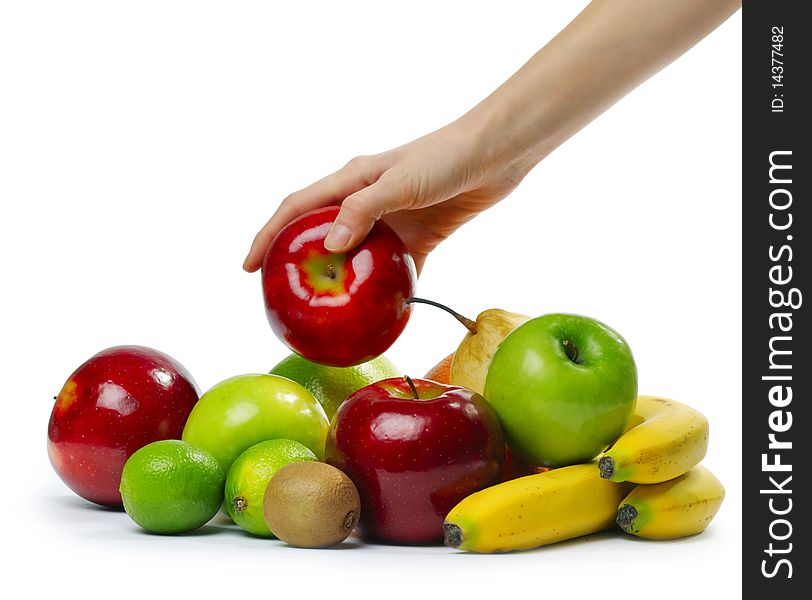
{"x": 414, "y": 453}
{"x": 337, "y": 309}
{"x": 121, "y": 399}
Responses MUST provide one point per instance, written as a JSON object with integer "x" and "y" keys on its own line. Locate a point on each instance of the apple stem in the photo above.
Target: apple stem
{"x": 571, "y": 350}
{"x": 411, "y": 385}
{"x": 469, "y": 324}
{"x": 331, "y": 271}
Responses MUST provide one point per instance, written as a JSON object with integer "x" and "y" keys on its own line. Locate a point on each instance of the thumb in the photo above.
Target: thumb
{"x": 360, "y": 210}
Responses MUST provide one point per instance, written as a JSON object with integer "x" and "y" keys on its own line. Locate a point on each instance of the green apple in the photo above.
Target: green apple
{"x": 247, "y": 409}
{"x": 564, "y": 387}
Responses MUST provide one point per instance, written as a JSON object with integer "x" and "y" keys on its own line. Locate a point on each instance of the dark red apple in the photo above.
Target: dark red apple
{"x": 121, "y": 399}
{"x": 413, "y": 454}
{"x": 337, "y": 309}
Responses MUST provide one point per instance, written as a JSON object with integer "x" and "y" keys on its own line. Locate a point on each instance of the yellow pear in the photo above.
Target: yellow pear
{"x": 470, "y": 362}
{"x": 473, "y": 356}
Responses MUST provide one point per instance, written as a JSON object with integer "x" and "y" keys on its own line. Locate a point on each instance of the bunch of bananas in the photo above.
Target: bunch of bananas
{"x": 649, "y": 482}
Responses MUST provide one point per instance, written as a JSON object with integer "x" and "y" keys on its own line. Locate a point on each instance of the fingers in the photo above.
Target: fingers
{"x": 356, "y": 175}
{"x": 289, "y": 209}
{"x": 419, "y": 261}
{"x": 360, "y": 210}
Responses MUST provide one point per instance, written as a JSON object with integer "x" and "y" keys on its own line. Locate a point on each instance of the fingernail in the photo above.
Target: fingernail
{"x": 338, "y": 237}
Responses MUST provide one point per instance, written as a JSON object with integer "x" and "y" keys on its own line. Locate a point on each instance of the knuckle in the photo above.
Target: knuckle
{"x": 359, "y": 163}
{"x": 289, "y": 201}
{"x": 363, "y": 206}
{"x": 406, "y": 185}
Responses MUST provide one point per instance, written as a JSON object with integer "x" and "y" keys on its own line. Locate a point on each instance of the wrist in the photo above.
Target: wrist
{"x": 505, "y": 137}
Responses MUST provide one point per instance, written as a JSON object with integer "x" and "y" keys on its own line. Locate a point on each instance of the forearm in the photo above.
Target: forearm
{"x": 606, "y": 51}
{"x": 431, "y": 186}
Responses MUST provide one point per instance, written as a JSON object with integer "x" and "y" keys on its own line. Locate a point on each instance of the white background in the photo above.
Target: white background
{"x": 143, "y": 144}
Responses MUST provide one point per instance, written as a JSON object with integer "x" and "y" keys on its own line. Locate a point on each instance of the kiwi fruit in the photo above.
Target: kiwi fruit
{"x": 311, "y": 505}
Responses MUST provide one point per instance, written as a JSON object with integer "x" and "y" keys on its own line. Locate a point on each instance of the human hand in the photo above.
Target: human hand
{"x": 424, "y": 190}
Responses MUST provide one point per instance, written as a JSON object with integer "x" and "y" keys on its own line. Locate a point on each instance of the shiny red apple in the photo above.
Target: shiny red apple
{"x": 413, "y": 454}
{"x": 337, "y": 309}
{"x": 119, "y": 400}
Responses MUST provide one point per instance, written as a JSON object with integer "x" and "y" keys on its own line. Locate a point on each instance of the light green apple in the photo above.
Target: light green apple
{"x": 563, "y": 386}
{"x": 247, "y": 409}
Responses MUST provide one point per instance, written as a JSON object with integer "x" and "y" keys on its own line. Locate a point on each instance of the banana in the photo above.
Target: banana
{"x": 677, "y": 508}
{"x": 669, "y": 439}
{"x": 535, "y": 510}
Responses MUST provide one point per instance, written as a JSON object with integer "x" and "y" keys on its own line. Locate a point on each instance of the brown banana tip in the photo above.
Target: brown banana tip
{"x": 452, "y": 535}
{"x": 606, "y": 465}
{"x": 626, "y": 516}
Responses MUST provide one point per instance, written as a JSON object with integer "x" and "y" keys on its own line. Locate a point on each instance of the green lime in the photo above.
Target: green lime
{"x": 249, "y": 476}
{"x": 170, "y": 486}
{"x": 332, "y": 385}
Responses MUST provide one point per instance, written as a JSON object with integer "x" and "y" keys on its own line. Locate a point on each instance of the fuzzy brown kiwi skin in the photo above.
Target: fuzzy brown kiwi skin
{"x": 311, "y": 505}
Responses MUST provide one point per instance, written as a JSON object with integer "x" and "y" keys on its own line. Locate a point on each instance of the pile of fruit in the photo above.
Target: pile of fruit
{"x": 530, "y": 433}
